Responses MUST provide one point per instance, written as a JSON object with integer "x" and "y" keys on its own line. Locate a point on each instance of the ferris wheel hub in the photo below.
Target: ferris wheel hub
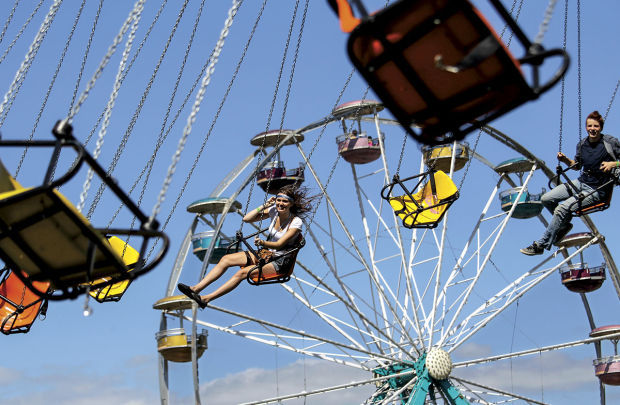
{"x": 438, "y": 363}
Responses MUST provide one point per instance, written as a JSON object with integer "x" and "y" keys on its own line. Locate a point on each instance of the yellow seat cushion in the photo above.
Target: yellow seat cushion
{"x": 427, "y": 208}
{"x": 48, "y": 239}
{"x": 114, "y": 292}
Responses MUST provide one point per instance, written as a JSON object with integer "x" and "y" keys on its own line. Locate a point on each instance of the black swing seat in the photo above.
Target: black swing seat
{"x": 595, "y": 206}
{"x": 426, "y": 207}
{"x": 46, "y": 237}
{"x": 255, "y": 274}
{"x": 439, "y": 66}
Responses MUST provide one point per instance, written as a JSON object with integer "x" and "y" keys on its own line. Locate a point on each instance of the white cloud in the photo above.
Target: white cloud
{"x": 255, "y": 384}
{"x": 551, "y": 371}
{"x": 78, "y": 386}
{"x": 8, "y": 376}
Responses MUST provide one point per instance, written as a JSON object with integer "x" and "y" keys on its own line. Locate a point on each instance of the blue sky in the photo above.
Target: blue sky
{"x": 111, "y": 355}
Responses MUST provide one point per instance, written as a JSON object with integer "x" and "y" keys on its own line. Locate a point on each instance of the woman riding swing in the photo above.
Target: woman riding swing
{"x": 286, "y": 211}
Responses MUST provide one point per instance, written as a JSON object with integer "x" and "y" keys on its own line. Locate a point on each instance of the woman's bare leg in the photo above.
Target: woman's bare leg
{"x": 233, "y": 259}
{"x": 234, "y": 282}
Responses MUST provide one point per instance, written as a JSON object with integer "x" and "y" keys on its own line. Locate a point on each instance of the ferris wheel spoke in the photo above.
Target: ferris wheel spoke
{"x": 356, "y": 310}
{"x": 330, "y": 320}
{"x": 409, "y": 298}
{"x": 497, "y": 233}
{"x": 347, "y": 299}
{"x": 504, "y": 298}
{"x": 354, "y": 354}
{"x": 537, "y": 350}
{"x": 354, "y": 246}
{"x": 491, "y": 391}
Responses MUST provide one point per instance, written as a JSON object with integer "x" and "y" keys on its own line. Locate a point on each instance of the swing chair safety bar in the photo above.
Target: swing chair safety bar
{"x": 590, "y": 208}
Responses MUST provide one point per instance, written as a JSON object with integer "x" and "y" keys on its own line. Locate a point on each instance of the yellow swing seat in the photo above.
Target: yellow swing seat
{"x": 425, "y": 208}
{"x": 114, "y": 292}
{"x": 46, "y": 237}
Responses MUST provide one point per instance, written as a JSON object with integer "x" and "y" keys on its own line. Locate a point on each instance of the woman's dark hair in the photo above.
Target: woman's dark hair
{"x": 596, "y": 116}
{"x": 302, "y": 203}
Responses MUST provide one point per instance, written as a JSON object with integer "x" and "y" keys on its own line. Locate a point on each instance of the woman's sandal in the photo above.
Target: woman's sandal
{"x": 185, "y": 289}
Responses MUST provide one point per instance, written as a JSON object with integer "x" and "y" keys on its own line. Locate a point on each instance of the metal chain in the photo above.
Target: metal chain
{"x": 545, "y": 23}
{"x": 128, "y": 69}
{"x": 579, "y": 65}
{"x": 402, "y": 154}
{"x": 85, "y": 57}
{"x": 18, "y": 80}
{"x": 8, "y": 20}
{"x": 112, "y": 100}
{"x": 121, "y": 146}
{"x": 21, "y": 30}
{"x": 561, "y": 129}
{"x": 473, "y": 152}
{"x": 271, "y": 109}
{"x": 199, "y": 97}
{"x": 294, "y": 64}
{"x": 511, "y": 35}
{"x": 51, "y": 85}
{"x": 613, "y": 96}
{"x": 163, "y": 133}
{"x": 213, "y": 122}
{"x": 106, "y": 58}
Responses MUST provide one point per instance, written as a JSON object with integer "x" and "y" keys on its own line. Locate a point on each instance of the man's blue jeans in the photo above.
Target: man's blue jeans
{"x": 562, "y": 202}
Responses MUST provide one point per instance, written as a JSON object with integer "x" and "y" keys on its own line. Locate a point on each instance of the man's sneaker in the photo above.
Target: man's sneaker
{"x": 533, "y": 249}
{"x": 562, "y": 232}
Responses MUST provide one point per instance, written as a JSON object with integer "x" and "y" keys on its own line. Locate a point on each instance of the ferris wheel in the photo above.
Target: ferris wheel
{"x": 403, "y": 305}
{"x": 419, "y": 289}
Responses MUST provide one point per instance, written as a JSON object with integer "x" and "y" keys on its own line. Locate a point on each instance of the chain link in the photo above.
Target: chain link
{"x": 112, "y": 101}
{"x": 121, "y": 147}
{"x": 402, "y": 154}
{"x": 163, "y": 133}
{"x": 20, "y": 76}
{"x": 579, "y": 66}
{"x": 561, "y": 129}
{"x": 51, "y": 85}
{"x": 106, "y": 58}
{"x": 271, "y": 110}
{"x": 21, "y": 30}
{"x": 544, "y": 26}
{"x": 85, "y": 57}
{"x": 199, "y": 97}
{"x": 9, "y": 19}
{"x": 611, "y": 101}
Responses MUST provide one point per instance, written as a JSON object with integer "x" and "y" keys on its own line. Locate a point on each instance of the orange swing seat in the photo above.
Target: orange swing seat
{"x": 441, "y": 69}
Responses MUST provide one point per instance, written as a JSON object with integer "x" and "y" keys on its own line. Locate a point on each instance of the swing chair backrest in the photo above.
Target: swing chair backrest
{"x": 439, "y": 65}
{"x": 19, "y": 306}
{"x": 595, "y": 207}
{"x": 46, "y": 237}
{"x": 428, "y": 206}
{"x": 256, "y": 276}
{"x": 114, "y": 292}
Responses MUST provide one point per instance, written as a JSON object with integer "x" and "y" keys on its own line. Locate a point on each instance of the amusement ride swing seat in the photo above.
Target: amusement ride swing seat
{"x": 426, "y": 208}
{"x": 255, "y": 275}
{"x": 439, "y": 65}
{"x": 19, "y": 306}
{"x": 595, "y": 206}
{"x": 46, "y": 237}
{"x": 114, "y": 292}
